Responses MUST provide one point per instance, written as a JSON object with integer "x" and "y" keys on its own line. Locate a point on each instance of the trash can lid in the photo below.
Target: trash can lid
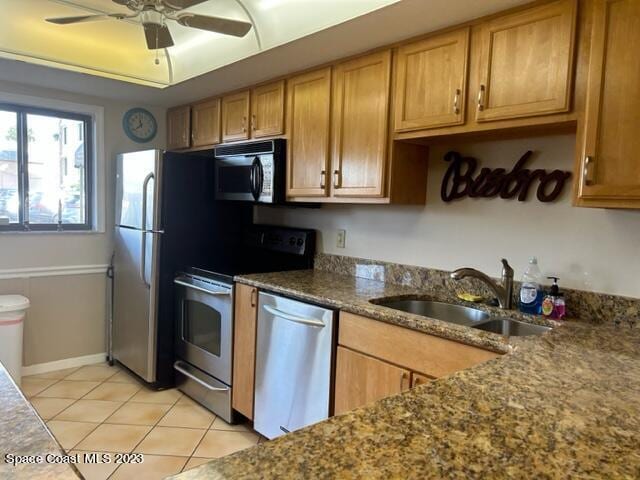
{"x": 13, "y": 303}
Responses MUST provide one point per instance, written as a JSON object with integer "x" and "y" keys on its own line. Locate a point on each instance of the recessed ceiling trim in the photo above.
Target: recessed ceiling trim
{"x": 253, "y": 22}
{"x": 16, "y": 55}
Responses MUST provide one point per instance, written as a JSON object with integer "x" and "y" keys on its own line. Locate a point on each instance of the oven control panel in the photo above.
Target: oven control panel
{"x": 286, "y": 240}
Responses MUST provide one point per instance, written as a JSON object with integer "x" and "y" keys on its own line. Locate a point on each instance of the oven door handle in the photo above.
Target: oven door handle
{"x": 200, "y": 289}
{"x": 177, "y": 366}
{"x": 293, "y": 318}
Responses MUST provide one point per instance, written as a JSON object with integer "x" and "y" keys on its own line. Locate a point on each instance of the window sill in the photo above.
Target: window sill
{"x": 52, "y": 232}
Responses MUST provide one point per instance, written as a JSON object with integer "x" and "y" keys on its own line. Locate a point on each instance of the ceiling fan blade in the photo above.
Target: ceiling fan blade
{"x": 225, "y": 26}
{"x": 79, "y": 19}
{"x": 158, "y": 36}
{"x": 180, "y": 4}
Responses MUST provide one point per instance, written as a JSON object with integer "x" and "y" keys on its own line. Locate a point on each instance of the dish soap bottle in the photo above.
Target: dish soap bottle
{"x": 553, "y": 305}
{"x": 531, "y": 290}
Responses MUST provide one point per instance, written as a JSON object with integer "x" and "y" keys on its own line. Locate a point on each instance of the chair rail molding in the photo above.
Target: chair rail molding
{"x": 55, "y": 271}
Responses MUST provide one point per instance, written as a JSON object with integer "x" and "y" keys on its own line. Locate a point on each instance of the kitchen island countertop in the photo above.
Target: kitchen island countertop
{"x": 23, "y": 433}
{"x": 563, "y": 405}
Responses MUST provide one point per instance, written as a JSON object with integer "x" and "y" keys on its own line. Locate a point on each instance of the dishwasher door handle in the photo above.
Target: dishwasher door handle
{"x": 293, "y": 318}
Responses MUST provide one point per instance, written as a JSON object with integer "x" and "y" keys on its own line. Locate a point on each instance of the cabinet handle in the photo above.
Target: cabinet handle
{"x": 244, "y": 124}
{"x": 586, "y": 177}
{"x": 481, "y": 98}
{"x": 253, "y": 122}
{"x": 456, "y": 100}
{"x": 336, "y": 179}
{"x": 253, "y": 297}
{"x": 403, "y": 377}
{"x": 323, "y": 178}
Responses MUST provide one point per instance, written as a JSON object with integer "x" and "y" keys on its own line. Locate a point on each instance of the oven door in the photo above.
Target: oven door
{"x": 204, "y": 327}
{"x": 245, "y": 178}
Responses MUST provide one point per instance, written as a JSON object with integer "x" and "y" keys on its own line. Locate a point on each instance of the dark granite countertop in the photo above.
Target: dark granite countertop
{"x": 563, "y": 405}
{"x": 354, "y": 295}
{"x": 22, "y": 432}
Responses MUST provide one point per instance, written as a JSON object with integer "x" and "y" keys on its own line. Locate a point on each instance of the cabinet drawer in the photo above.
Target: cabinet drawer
{"x": 427, "y": 354}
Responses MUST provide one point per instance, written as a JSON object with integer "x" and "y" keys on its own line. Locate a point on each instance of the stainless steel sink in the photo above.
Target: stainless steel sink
{"x": 441, "y": 311}
{"x": 511, "y": 328}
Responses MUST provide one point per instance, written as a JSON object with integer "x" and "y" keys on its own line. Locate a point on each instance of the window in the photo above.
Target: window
{"x": 45, "y": 174}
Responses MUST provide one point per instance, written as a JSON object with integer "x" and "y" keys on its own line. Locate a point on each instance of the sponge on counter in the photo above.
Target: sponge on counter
{"x": 469, "y": 297}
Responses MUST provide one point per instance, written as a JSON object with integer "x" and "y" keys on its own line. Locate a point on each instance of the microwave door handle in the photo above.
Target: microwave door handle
{"x": 260, "y": 177}
{"x": 200, "y": 289}
{"x": 252, "y": 180}
{"x": 255, "y": 179}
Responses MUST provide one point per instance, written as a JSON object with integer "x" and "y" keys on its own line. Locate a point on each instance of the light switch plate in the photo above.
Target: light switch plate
{"x": 342, "y": 238}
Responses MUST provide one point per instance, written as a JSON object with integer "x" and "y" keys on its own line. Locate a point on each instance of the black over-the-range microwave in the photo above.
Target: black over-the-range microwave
{"x": 252, "y": 171}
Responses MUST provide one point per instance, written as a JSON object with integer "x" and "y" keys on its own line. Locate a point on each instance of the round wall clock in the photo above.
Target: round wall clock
{"x": 140, "y": 125}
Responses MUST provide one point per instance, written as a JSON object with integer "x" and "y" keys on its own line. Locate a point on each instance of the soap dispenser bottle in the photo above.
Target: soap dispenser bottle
{"x": 553, "y": 305}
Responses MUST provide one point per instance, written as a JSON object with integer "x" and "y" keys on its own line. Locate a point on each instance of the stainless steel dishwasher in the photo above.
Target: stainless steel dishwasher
{"x": 293, "y": 365}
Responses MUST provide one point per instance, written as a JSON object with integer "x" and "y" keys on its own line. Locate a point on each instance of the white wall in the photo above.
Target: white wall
{"x": 67, "y": 316}
{"x": 590, "y": 249}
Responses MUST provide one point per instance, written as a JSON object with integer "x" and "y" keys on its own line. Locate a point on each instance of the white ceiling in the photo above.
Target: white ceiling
{"x": 115, "y": 48}
{"x": 294, "y": 34}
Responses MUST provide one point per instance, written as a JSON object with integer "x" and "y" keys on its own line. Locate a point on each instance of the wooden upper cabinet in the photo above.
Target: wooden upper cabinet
{"x": 361, "y": 380}
{"x": 526, "y": 62}
{"x": 244, "y": 348}
{"x": 609, "y": 162}
{"x": 431, "y": 81}
{"x": 267, "y": 110}
{"x": 360, "y": 125}
{"x": 235, "y": 116}
{"x": 205, "y": 123}
{"x": 308, "y": 128}
{"x": 178, "y": 128}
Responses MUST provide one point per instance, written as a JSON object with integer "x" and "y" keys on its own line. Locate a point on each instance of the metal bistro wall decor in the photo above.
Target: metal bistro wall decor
{"x": 459, "y": 180}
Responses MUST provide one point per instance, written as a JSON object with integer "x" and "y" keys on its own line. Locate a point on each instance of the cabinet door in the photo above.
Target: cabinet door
{"x": 244, "y": 348}
{"x": 360, "y": 125}
{"x": 267, "y": 110}
{"x": 308, "y": 124}
{"x": 178, "y": 127}
{"x": 419, "y": 379}
{"x": 526, "y": 61}
{"x": 235, "y": 117}
{"x": 361, "y": 380}
{"x": 431, "y": 81}
{"x": 205, "y": 123}
{"x": 610, "y": 164}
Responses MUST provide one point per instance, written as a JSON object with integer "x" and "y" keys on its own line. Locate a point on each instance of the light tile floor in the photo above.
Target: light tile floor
{"x": 104, "y": 409}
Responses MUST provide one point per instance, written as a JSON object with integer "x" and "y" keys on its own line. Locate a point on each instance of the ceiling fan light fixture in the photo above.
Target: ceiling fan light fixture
{"x": 152, "y": 17}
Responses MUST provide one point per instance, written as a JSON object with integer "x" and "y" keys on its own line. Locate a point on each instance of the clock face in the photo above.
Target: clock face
{"x": 139, "y": 125}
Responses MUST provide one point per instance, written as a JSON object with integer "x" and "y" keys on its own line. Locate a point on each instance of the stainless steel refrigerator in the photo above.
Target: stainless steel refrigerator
{"x": 167, "y": 220}
{"x": 138, "y": 235}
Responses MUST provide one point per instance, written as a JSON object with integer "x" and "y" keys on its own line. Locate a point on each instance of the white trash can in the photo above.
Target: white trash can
{"x": 12, "y": 311}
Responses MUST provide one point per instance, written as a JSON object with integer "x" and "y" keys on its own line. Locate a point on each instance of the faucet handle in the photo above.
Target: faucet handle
{"x": 507, "y": 271}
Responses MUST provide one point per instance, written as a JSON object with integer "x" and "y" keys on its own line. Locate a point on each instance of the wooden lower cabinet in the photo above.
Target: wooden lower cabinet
{"x": 244, "y": 348}
{"x": 361, "y": 379}
{"x": 375, "y": 360}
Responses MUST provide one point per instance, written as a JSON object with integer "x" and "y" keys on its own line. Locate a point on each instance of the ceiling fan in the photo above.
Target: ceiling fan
{"x": 153, "y": 15}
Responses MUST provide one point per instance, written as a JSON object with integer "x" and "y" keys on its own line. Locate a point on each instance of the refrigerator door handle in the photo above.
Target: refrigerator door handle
{"x": 143, "y": 241}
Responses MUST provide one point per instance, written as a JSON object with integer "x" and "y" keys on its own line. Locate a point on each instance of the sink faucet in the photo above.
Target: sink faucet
{"x": 504, "y": 292}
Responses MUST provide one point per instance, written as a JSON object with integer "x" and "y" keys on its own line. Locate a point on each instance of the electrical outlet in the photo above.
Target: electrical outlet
{"x": 342, "y": 238}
